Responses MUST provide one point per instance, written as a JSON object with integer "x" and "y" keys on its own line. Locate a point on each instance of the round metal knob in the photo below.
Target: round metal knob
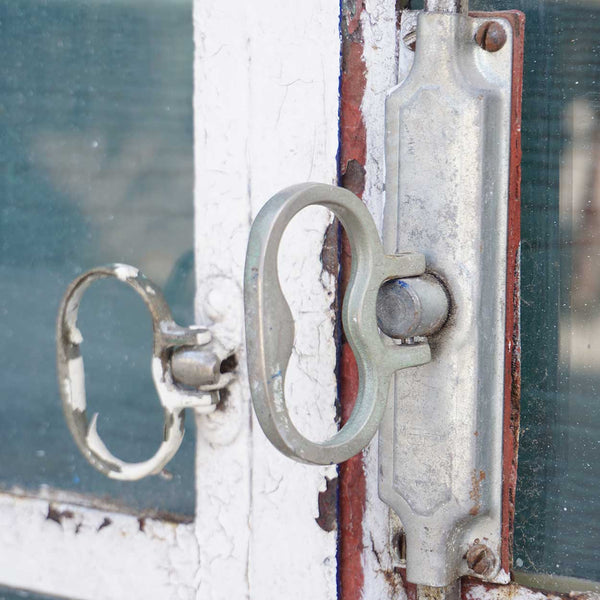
{"x": 412, "y": 307}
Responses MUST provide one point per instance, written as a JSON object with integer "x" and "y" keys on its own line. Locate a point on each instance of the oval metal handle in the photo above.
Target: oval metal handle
{"x": 270, "y": 325}
{"x": 167, "y": 335}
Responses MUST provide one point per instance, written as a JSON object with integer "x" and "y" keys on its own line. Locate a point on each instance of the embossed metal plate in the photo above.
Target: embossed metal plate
{"x": 447, "y": 161}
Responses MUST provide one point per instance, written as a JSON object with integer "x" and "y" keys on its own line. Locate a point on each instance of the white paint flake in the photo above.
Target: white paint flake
{"x": 379, "y": 32}
{"x": 125, "y": 272}
{"x": 75, "y": 384}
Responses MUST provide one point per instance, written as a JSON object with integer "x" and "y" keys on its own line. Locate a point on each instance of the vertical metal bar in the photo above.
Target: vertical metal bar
{"x": 448, "y": 6}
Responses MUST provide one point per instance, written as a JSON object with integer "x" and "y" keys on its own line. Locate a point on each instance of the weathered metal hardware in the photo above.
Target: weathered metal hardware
{"x": 186, "y": 369}
{"x": 448, "y": 126}
{"x": 447, "y": 172}
{"x": 412, "y": 307}
{"x": 270, "y": 325}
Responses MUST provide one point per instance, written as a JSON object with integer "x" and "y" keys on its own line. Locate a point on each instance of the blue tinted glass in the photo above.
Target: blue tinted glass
{"x": 557, "y": 524}
{"x": 97, "y": 167}
{"x": 6, "y": 594}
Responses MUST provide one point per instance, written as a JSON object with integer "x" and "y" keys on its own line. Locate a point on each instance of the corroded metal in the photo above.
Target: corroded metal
{"x": 448, "y": 592}
{"x": 200, "y": 389}
{"x": 481, "y": 560}
{"x": 491, "y": 36}
{"x": 270, "y": 325}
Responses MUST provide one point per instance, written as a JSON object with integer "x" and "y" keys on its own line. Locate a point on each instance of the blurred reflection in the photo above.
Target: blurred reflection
{"x": 576, "y": 493}
{"x": 557, "y": 519}
{"x": 96, "y": 153}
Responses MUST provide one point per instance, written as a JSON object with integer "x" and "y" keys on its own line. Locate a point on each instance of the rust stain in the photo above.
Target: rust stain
{"x": 475, "y": 493}
{"x": 410, "y": 588}
{"x": 352, "y": 493}
{"x": 471, "y": 590}
{"x": 353, "y": 152}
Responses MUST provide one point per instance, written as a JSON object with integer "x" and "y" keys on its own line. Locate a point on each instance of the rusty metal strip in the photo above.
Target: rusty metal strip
{"x": 353, "y": 150}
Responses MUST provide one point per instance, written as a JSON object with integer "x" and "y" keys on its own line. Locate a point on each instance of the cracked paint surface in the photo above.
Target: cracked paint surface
{"x": 378, "y": 21}
{"x": 266, "y": 104}
{"x": 61, "y": 549}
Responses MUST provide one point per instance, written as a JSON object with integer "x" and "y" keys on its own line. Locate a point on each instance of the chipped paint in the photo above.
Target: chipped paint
{"x": 270, "y": 123}
{"x": 475, "y": 492}
{"x": 328, "y": 498}
{"x": 75, "y": 384}
{"x": 378, "y": 20}
{"x": 508, "y": 592}
{"x": 64, "y": 550}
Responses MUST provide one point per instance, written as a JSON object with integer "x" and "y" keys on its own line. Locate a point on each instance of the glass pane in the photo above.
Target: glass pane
{"x": 557, "y": 525}
{"x": 96, "y": 158}
{"x": 6, "y": 594}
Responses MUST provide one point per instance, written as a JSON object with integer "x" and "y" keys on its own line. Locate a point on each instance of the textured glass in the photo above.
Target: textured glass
{"x": 96, "y": 145}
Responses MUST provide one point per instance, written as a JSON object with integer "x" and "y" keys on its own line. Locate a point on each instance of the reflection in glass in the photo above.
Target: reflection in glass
{"x": 96, "y": 158}
{"x": 557, "y": 521}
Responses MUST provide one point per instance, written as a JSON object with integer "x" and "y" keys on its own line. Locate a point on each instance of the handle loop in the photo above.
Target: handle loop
{"x": 71, "y": 375}
{"x": 270, "y": 325}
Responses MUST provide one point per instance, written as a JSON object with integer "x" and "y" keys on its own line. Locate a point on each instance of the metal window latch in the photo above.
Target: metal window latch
{"x": 186, "y": 369}
{"x": 440, "y": 419}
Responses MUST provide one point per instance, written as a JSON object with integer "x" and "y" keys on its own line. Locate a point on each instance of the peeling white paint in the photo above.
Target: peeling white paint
{"x": 74, "y": 334}
{"x": 266, "y": 104}
{"x": 378, "y": 22}
{"x": 75, "y": 384}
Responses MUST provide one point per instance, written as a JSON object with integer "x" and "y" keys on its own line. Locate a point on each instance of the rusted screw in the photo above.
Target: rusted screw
{"x": 481, "y": 560}
{"x": 491, "y": 36}
{"x": 410, "y": 40}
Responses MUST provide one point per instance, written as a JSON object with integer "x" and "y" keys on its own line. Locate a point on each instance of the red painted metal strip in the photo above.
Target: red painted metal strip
{"x": 353, "y": 149}
{"x": 352, "y": 490}
{"x": 512, "y": 361}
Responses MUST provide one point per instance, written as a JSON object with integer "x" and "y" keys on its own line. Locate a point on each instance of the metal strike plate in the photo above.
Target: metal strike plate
{"x": 447, "y": 164}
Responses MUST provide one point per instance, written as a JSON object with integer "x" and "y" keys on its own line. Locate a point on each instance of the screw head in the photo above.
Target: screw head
{"x": 410, "y": 40}
{"x": 491, "y": 36}
{"x": 481, "y": 560}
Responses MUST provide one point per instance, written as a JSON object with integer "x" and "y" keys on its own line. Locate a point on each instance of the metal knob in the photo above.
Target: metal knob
{"x": 412, "y": 307}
